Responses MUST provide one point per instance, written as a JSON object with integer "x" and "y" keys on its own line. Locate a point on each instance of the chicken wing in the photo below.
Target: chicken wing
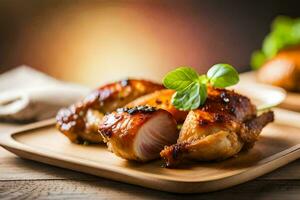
{"x": 161, "y": 99}
{"x": 219, "y": 129}
{"x": 138, "y": 133}
{"x": 80, "y": 121}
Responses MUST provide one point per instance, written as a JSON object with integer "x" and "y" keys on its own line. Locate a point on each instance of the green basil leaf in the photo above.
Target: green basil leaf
{"x": 180, "y": 78}
{"x": 191, "y": 88}
{"x": 191, "y": 98}
{"x": 222, "y": 75}
{"x": 203, "y": 93}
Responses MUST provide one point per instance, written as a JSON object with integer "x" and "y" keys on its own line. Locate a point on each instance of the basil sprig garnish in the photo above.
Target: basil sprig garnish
{"x": 191, "y": 88}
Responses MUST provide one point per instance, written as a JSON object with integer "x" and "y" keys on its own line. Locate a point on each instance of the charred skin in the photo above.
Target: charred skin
{"x": 80, "y": 121}
{"x": 138, "y": 134}
{"x": 223, "y": 126}
{"x": 283, "y": 70}
{"x": 161, "y": 99}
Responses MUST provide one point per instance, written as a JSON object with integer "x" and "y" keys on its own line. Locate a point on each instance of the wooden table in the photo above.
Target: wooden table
{"x": 24, "y": 179}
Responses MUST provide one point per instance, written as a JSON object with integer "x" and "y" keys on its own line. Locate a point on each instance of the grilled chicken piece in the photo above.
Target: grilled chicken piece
{"x": 219, "y": 129}
{"x": 138, "y": 133}
{"x": 283, "y": 70}
{"x": 80, "y": 121}
{"x": 161, "y": 99}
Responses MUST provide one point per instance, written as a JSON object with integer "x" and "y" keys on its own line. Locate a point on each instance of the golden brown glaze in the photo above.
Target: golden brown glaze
{"x": 219, "y": 129}
{"x": 161, "y": 99}
{"x": 283, "y": 70}
{"x": 138, "y": 134}
{"x": 80, "y": 121}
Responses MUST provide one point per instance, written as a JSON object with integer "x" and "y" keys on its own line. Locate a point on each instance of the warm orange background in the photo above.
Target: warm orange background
{"x": 92, "y": 42}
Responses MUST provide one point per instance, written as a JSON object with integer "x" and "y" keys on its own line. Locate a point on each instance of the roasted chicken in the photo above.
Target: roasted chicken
{"x": 283, "y": 70}
{"x": 161, "y": 99}
{"x": 223, "y": 126}
{"x": 80, "y": 121}
{"x": 138, "y": 133}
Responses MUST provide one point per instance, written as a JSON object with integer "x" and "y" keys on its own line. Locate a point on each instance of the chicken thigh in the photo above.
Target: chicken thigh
{"x": 219, "y": 129}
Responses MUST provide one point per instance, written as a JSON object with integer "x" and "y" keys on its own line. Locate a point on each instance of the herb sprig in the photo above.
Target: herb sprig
{"x": 191, "y": 88}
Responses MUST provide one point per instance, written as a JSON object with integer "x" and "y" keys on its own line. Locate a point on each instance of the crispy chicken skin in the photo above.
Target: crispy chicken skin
{"x": 283, "y": 70}
{"x": 219, "y": 129}
{"x": 80, "y": 121}
{"x": 161, "y": 99}
{"x": 138, "y": 133}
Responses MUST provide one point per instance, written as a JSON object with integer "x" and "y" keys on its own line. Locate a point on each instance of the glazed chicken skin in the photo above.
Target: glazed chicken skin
{"x": 138, "y": 133}
{"x": 283, "y": 70}
{"x": 161, "y": 99}
{"x": 80, "y": 121}
{"x": 223, "y": 126}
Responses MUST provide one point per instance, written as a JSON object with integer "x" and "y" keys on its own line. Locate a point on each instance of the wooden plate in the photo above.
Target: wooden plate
{"x": 278, "y": 145}
{"x": 292, "y": 100}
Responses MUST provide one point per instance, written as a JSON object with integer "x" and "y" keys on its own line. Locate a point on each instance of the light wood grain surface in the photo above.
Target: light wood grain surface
{"x": 23, "y": 179}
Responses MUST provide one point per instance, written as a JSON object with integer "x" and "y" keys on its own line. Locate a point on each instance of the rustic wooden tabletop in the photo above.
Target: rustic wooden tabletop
{"x": 24, "y": 179}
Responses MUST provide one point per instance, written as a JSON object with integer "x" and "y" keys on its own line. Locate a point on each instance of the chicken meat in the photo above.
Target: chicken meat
{"x": 222, "y": 127}
{"x": 138, "y": 133}
{"x": 80, "y": 121}
{"x": 161, "y": 99}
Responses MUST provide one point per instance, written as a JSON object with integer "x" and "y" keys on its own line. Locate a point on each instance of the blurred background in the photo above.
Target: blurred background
{"x": 92, "y": 42}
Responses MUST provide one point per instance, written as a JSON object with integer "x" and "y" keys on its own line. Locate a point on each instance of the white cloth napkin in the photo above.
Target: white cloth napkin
{"x": 29, "y": 95}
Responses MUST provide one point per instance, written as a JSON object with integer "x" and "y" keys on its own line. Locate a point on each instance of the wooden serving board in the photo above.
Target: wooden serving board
{"x": 279, "y": 144}
{"x": 292, "y": 100}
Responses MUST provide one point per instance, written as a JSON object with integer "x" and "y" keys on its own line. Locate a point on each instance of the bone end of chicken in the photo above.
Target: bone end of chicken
{"x": 139, "y": 133}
